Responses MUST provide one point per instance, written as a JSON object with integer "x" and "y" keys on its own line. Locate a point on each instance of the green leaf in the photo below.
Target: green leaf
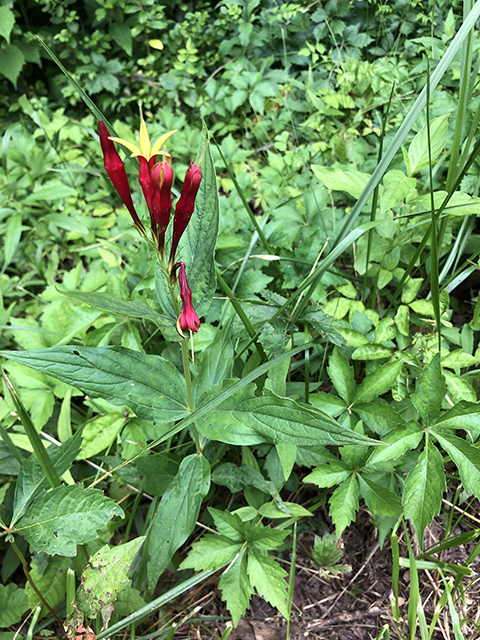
{"x": 177, "y": 513}
{"x": 341, "y": 375}
{"x": 14, "y": 231}
{"x": 464, "y": 415}
{"x": 328, "y": 403}
{"x": 380, "y": 500}
{"x": 268, "y": 578}
{"x": 419, "y": 153}
{"x": 50, "y": 580}
{"x": 13, "y": 604}
{"x": 326, "y": 475}
{"x": 344, "y": 504}
{"x": 237, "y": 478}
{"x": 401, "y": 439}
{"x": 458, "y": 359}
{"x": 216, "y": 364}
{"x": 11, "y": 63}
{"x": 378, "y": 382}
{"x": 229, "y": 524}
{"x": 150, "y": 385}
{"x": 424, "y": 487}
{"x": 235, "y": 587}
{"x": 371, "y": 352}
{"x": 245, "y": 419}
{"x": 378, "y": 416}
{"x": 31, "y": 477}
{"x": 157, "y": 472}
{"x": 265, "y": 538}
{"x": 122, "y": 35}
{"x": 458, "y": 388}
{"x": 7, "y": 20}
{"x": 211, "y": 552}
{"x": 99, "y": 433}
{"x": 353, "y": 182}
{"x": 465, "y": 456}
{"x": 287, "y": 454}
{"x": 51, "y": 193}
{"x": 430, "y": 391}
{"x": 59, "y": 520}
{"x": 129, "y": 308}
{"x": 106, "y": 574}
{"x": 290, "y": 510}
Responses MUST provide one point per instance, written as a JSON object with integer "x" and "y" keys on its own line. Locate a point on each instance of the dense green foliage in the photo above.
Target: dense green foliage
{"x": 339, "y": 349}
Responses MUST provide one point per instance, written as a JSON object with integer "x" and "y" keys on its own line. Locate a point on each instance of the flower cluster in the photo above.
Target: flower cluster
{"x": 156, "y": 180}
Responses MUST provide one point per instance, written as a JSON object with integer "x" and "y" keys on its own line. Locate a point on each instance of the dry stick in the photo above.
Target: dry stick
{"x": 370, "y": 556}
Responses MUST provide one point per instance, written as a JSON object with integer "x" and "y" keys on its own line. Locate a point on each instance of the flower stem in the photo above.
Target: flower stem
{"x": 188, "y": 382}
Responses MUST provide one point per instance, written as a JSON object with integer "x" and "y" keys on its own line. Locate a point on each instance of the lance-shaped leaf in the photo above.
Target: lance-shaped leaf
{"x": 379, "y": 382}
{"x": 235, "y": 587}
{"x": 430, "y": 391}
{"x": 150, "y": 385}
{"x": 464, "y": 415}
{"x": 245, "y": 419}
{"x": 344, "y": 504}
{"x": 424, "y": 487}
{"x": 268, "y": 578}
{"x": 60, "y": 519}
{"x": 341, "y": 374}
{"x": 211, "y": 552}
{"x": 177, "y": 513}
{"x": 465, "y": 456}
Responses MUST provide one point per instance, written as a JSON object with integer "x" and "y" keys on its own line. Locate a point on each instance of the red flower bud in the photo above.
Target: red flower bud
{"x": 162, "y": 179}
{"x": 187, "y": 319}
{"x": 185, "y": 205}
{"x": 116, "y": 172}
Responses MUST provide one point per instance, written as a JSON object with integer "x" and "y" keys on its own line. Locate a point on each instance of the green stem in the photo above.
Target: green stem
{"x": 188, "y": 382}
{"x": 35, "y": 440}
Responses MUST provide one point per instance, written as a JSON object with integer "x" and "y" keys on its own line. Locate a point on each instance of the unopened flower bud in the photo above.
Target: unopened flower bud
{"x": 185, "y": 205}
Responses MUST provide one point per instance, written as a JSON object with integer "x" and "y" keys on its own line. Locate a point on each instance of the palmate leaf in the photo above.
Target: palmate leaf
{"x": 424, "y": 487}
{"x": 344, "y": 504}
{"x": 60, "y": 519}
{"x": 465, "y": 456}
{"x": 177, "y": 513}
{"x": 379, "y": 382}
{"x": 268, "y": 578}
{"x": 430, "y": 391}
{"x": 150, "y": 385}
{"x": 235, "y": 587}
{"x": 211, "y": 552}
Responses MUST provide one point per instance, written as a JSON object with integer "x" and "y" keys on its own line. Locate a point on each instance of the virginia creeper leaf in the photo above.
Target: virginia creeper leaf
{"x": 466, "y": 457}
{"x": 378, "y": 382}
{"x": 430, "y": 391}
{"x": 424, "y": 487}
{"x": 235, "y": 587}
{"x": 268, "y": 578}
{"x": 344, "y": 504}
{"x": 341, "y": 375}
{"x": 211, "y": 552}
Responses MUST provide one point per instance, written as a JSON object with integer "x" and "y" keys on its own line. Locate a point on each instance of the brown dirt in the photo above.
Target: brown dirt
{"x": 353, "y": 606}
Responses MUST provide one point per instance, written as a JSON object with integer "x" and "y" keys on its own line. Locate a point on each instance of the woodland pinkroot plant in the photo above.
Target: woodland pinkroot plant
{"x": 156, "y": 180}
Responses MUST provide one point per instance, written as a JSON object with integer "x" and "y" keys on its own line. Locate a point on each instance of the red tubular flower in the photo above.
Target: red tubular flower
{"x": 116, "y": 172}
{"x": 162, "y": 179}
{"x": 187, "y": 319}
{"x": 185, "y": 205}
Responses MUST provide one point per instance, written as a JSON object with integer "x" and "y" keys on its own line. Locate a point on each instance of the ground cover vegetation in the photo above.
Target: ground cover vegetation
{"x": 282, "y": 318}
